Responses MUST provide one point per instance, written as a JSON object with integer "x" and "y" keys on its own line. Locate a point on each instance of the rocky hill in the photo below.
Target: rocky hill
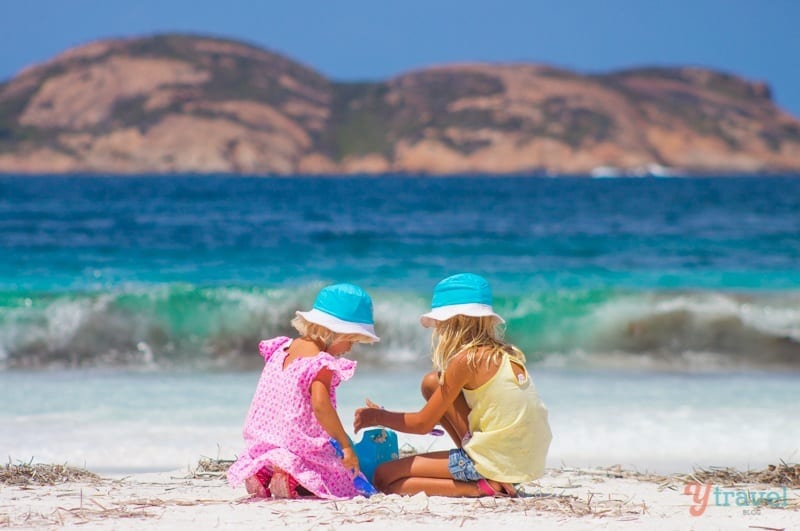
{"x": 184, "y": 104}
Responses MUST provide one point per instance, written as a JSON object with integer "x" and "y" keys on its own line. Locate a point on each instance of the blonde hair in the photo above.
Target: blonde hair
{"x": 471, "y": 334}
{"x": 321, "y": 334}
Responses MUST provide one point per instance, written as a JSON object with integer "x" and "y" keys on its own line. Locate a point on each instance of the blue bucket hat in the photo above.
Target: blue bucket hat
{"x": 344, "y": 309}
{"x": 462, "y": 294}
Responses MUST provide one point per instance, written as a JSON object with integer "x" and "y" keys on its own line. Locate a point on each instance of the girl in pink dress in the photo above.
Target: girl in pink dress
{"x": 293, "y": 413}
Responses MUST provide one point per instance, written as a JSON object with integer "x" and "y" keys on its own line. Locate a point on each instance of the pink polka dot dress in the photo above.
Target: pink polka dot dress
{"x": 281, "y": 429}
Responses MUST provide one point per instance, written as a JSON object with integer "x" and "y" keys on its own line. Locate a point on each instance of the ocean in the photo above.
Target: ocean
{"x": 660, "y": 316}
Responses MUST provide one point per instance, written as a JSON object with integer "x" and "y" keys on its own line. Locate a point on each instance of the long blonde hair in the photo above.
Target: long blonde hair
{"x": 471, "y": 334}
{"x": 323, "y": 335}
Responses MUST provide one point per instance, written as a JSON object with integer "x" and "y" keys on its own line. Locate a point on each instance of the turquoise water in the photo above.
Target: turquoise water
{"x": 660, "y": 317}
{"x": 677, "y": 274}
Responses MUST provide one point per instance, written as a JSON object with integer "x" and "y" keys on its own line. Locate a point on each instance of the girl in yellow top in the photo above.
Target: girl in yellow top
{"x": 480, "y": 392}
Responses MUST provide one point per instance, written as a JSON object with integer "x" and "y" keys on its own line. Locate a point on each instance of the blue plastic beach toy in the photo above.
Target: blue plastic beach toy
{"x": 376, "y": 446}
{"x": 360, "y": 482}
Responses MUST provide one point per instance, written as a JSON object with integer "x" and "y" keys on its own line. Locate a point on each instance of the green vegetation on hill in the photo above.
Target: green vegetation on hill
{"x": 360, "y": 122}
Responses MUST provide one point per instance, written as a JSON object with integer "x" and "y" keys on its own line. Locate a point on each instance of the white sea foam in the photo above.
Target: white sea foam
{"x": 156, "y": 421}
{"x": 177, "y": 324}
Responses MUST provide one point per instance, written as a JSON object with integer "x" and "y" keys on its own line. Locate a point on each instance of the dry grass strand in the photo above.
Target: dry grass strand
{"x": 24, "y": 474}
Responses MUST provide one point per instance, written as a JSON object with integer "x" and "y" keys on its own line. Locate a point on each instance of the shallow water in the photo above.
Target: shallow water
{"x": 121, "y": 422}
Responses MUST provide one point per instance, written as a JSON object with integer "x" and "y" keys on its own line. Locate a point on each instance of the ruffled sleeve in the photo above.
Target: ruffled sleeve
{"x": 268, "y": 347}
{"x": 342, "y": 369}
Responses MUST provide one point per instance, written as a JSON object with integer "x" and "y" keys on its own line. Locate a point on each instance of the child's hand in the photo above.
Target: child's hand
{"x": 365, "y": 416}
{"x": 350, "y": 461}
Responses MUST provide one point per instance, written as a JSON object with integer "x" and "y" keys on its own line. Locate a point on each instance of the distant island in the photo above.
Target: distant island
{"x": 170, "y": 104}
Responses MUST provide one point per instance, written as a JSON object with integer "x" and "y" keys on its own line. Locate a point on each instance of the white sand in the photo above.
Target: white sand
{"x": 577, "y": 499}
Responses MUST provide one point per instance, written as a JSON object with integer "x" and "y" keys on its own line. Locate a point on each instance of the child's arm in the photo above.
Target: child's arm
{"x": 329, "y": 419}
{"x": 456, "y": 377}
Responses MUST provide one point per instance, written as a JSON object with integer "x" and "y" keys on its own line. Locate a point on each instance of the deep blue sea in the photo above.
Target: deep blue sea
{"x": 680, "y": 273}
{"x": 672, "y": 301}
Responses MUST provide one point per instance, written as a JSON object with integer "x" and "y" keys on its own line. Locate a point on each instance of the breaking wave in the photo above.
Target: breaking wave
{"x": 182, "y": 325}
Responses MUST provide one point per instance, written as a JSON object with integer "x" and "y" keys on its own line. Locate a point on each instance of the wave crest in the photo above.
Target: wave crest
{"x": 219, "y": 327}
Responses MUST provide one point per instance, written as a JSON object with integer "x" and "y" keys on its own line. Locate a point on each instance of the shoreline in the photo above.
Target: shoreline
{"x": 567, "y": 498}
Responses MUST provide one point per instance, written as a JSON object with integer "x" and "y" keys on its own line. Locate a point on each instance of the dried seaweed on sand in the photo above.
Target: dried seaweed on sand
{"x": 208, "y": 468}
{"x": 781, "y": 475}
{"x": 23, "y": 474}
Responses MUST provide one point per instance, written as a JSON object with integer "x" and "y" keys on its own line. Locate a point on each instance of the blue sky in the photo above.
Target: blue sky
{"x": 372, "y": 39}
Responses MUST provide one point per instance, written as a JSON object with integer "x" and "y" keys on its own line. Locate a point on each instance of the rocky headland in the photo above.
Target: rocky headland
{"x": 186, "y": 104}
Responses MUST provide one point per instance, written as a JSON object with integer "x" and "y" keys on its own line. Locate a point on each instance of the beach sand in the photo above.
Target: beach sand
{"x": 573, "y": 499}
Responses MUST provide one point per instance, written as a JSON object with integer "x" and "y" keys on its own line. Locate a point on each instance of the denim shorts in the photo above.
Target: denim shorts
{"x": 461, "y": 466}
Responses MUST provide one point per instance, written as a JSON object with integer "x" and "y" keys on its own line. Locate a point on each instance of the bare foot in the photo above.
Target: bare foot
{"x": 490, "y": 487}
{"x": 509, "y": 489}
{"x": 282, "y": 485}
{"x": 255, "y": 487}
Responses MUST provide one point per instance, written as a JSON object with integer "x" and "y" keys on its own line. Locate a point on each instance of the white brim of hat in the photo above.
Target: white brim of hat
{"x": 472, "y": 309}
{"x": 338, "y": 325}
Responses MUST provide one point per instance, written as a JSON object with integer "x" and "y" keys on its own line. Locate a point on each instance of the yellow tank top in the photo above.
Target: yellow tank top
{"x": 510, "y": 431}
